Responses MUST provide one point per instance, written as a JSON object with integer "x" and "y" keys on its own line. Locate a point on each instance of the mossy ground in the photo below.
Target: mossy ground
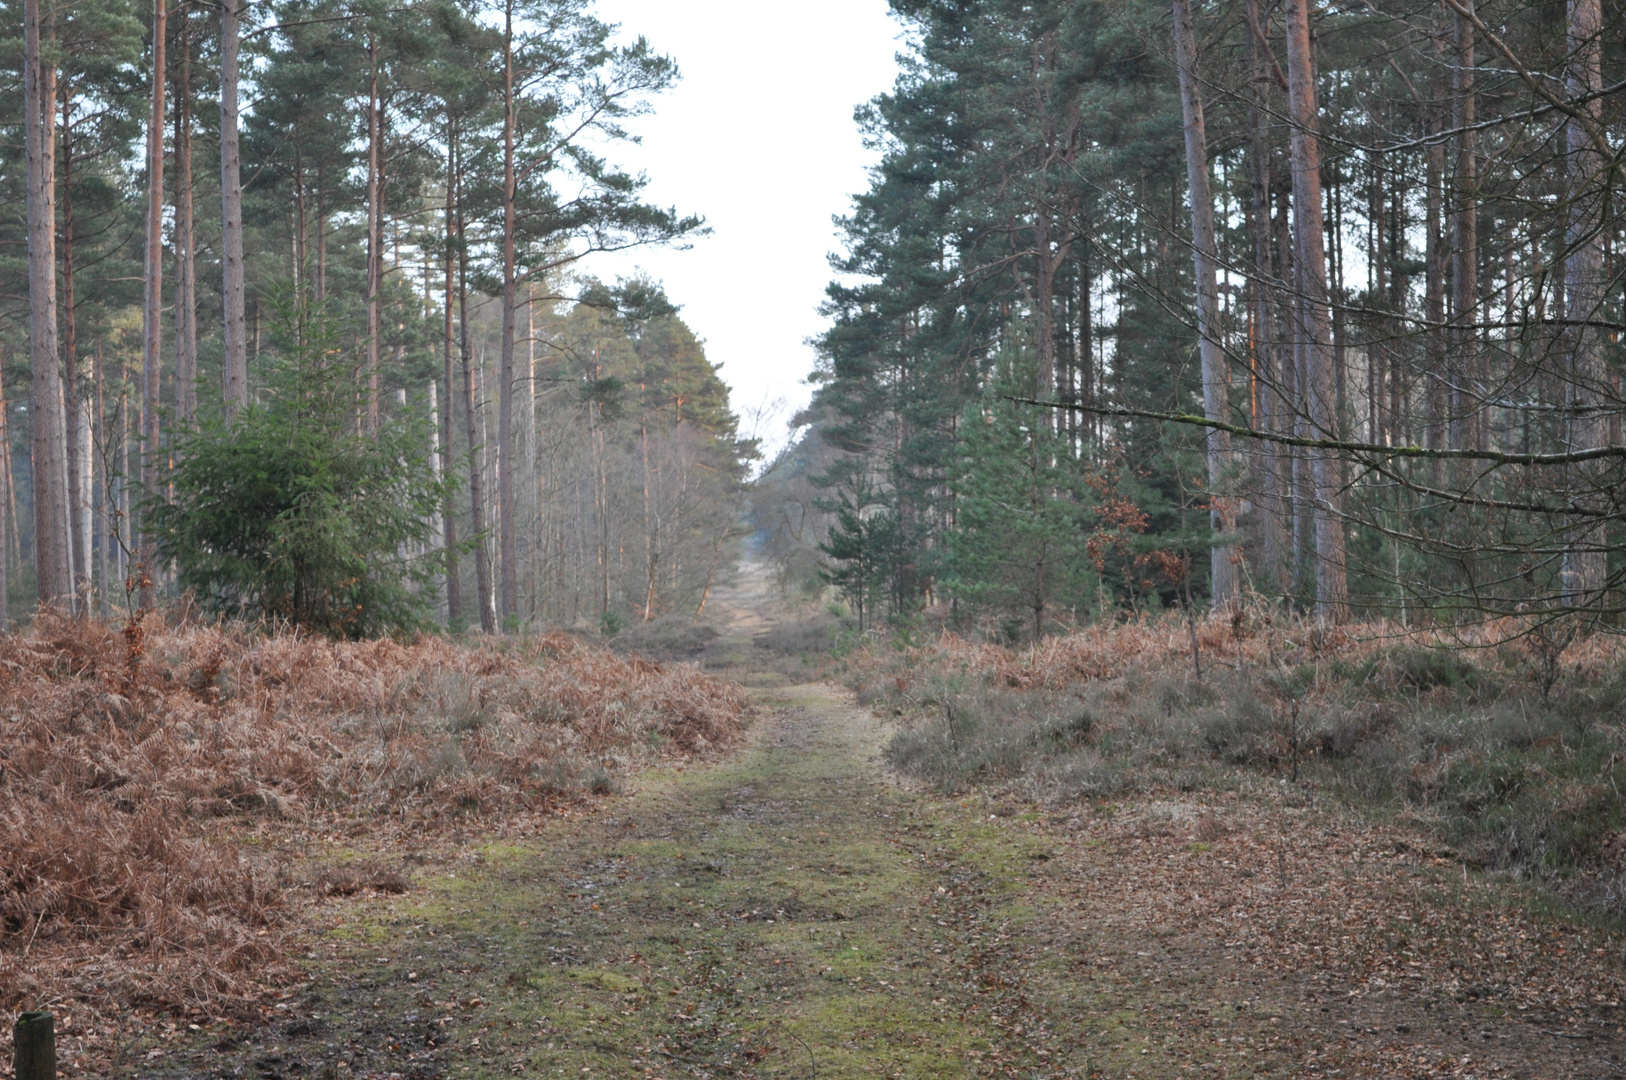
{"x": 792, "y": 913}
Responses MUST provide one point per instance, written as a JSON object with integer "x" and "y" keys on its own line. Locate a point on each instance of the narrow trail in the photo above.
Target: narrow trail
{"x": 793, "y": 912}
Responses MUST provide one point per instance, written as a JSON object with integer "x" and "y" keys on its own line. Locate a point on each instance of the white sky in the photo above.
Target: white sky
{"x": 758, "y": 138}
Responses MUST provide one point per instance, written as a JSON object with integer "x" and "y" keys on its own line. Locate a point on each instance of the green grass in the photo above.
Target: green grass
{"x": 785, "y": 908}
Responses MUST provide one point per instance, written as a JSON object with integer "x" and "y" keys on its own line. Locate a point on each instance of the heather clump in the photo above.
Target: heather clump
{"x": 161, "y": 786}
{"x": 1464, "y": 734}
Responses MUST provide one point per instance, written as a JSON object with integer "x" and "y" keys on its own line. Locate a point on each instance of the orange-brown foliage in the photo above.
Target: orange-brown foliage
{"x": 1250, "y": 640}
{"x": 128, "y": 781}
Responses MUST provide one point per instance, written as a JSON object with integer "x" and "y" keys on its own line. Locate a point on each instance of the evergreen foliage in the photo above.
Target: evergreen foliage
{"x": 977, "y": 269}
{"x": 1403, "y": 229}
{"x": 291, "y": 514}
{"x": 1017, "y": 551}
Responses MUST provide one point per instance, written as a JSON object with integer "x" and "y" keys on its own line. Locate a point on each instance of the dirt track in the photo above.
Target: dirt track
{"x": 792, "y": 912}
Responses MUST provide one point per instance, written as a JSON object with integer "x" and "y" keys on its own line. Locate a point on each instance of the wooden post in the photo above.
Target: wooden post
{"x": 34, "y": 1046}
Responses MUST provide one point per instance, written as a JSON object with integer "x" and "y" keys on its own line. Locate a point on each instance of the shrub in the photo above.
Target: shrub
{"x": 289, "y": 514}
{"x": 1424, "y": 668}
{"x": 1245, "y": 733}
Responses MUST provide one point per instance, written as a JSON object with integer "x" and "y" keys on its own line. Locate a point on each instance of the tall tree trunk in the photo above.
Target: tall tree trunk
{"x": 601, "y": 496}
{"x": 1585, "y": 562}
{"x": 533, "y": 485}
{"x": 375, "y": 230}
{"x": 1294, "y": 482}
{"x": 8, "y": 474}
{"x": 1044, "y": 304}
{"x": 8, "y": 522}
{"x": 650, "y": 550}
{"x": 1262, "y": 325}
{"x": 320, "y": 290}
{"x": 8, "y": 508}
{"x": 186, "y": 294}
{"x": 506, "y": 525}
{"x": 1335, "y": 292}
{"x": 84, "y": 523}
{"x": 301, "y": 282}
{"x": 101, "y": 511}
{"x": 79, "y": 539}
{"x": 1321, "y": 390}
{"x": 1215, "y": 375}
{"x": 235, "y": 370}
{"x": 1466, "y": 429}
{"x": 49, "y": 423}
{"x": 437, "y": 470}
{"x": 471, "y": 421}
{"x": 454, "y": 592}
{"x": 1435, "y": 398}
{"x": 1401, "y": 421}
{"x": 153, "y": 307}
{"x": 1378, "y": 288}
{"x": 1303, "y": 498}
{"x": 122, "y": 506}
{"x": 1086, "y": 333}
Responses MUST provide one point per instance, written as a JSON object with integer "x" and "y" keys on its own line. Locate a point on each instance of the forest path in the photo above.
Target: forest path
{"x": 792, "y": 912}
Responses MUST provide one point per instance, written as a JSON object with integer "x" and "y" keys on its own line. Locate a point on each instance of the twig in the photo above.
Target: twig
{"x": 813, "y": 1062}
{"x": 34, "y": 935}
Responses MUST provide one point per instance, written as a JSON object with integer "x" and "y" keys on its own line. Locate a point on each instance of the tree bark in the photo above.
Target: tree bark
{"x": 1321, "y": 391}
{"x": 1466, "y": 426}
{"x": 532, "y": 479}
{"x": 235, "y": 373}
{"x": 153, "y": 301}
{"x": 320, "y": 290}
{"x": 50, "y": 436}
{"x": 186, "y": 296}
{"x": 1044, "y": 304}
{"x": 454, "y": 592}
{"x": 79, "y": 538}
{"x": 1085, "y": 426}
{"x": 471, "y": 422}
{"x": 99, "y": 502}
{"x": 1264, "y": 354}
{"x": 1215, "y": 373}
{"x": 1377, "y": 276}
{"x": 437, "y": 522}
{"x": 375, "y": 231}
{"x": 8, "y": 509}
{"x": 507, "y": 555}
{"x": 1435, "y": 399}
{"x": 1585, "y": 562}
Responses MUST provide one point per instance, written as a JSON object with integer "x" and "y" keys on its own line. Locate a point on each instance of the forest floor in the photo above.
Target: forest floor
{"x": 794, "y": 911}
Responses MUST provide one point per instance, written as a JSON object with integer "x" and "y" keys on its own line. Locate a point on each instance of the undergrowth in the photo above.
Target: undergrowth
{"x": 159, "y": 784}
{"x": 1517, "y": 773}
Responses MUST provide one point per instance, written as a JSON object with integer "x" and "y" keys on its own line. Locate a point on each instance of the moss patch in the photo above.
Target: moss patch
{"x": 791, "y": 913}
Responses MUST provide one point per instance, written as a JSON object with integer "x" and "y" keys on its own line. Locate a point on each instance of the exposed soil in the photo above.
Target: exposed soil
{"x": 794, "y": 912}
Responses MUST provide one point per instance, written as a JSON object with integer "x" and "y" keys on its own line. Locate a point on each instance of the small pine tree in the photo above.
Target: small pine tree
{"x": 288, "y": 513}
{"x": 1019, "y": 548}
{"x": 859, "y": 542}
